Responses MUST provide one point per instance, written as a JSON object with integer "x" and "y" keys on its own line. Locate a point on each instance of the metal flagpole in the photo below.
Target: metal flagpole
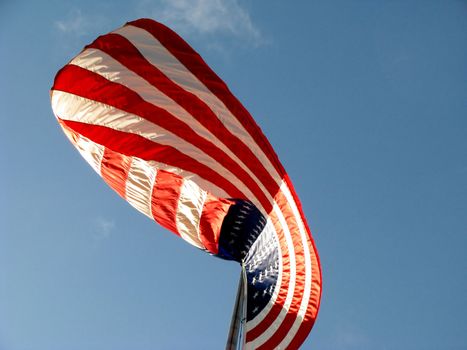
{"x": 236, "y": 340}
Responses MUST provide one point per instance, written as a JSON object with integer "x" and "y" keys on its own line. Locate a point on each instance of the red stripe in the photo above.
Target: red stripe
{"x": 193, "y": 61}
{"x": 288, "y": 321}
{"x": 164, "y": 200}
{"x": 284, "y": 286}
{"x": 137, "y": 146}
{"x": 124, "y": 52}
{"x": 214, "y": 211}
{"x": 72, "y": 136}
{"x": 197, "y": 66}
{"x": 313, "y": 304}
{"x": 114, "y": 170}
{"x": 185, "y": 54}
{"x": 81, "y": 82}
{"x": 316, "y": 280}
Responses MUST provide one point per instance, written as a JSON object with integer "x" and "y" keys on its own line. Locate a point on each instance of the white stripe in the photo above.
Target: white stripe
{"x": 139, "y": 185}
{"x": 104, "y": 65}
{"x": 160, "y": 57}
{"x": 190, "y": 207}
{"x": 178, "y": 73}
{"x": 89, "y": 150}
{"x": 203, "y": 183}
{"x": 308, "y": 270}
{"x": 68, "y": 106}
{"x": 307, "y": 285}
{"x": 94, "y": 152}
{"x": 290, "y": 292}
{"x": 156, "y": 53}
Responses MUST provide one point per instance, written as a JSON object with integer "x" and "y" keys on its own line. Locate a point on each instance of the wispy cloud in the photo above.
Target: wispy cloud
{"x": 103, "y": 228}
{"x": 77, "y": 23}
{"x": 76, "y": 28}
{"x": 225, "y": 17}
{"x": 350, "y": 337}
{"x": 74, "y": 23}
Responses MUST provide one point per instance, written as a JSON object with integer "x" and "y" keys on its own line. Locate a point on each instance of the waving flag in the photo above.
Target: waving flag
{"x": 164, "y": 131}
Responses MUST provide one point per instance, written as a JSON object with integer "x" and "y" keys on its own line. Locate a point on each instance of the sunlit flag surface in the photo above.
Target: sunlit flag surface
{"x": 164, "y": 131}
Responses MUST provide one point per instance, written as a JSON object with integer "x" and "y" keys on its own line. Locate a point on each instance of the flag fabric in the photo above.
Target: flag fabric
{"x": 164, "y": 131}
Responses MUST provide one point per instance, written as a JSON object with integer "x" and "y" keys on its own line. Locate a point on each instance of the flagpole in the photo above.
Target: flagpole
{"x": 236, "y": 340}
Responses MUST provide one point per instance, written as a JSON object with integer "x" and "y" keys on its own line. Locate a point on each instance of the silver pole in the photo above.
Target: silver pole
{"x": 236, "y": 340}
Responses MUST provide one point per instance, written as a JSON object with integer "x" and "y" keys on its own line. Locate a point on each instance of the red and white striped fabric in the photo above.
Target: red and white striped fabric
{"x": 164, "y": 131}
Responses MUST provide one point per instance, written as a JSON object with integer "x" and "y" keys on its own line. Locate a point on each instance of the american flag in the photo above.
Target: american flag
{"x": 164, "y": 131}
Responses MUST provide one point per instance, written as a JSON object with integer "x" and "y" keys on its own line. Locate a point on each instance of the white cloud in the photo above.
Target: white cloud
{"x": 350, "y": 337}
{"x": 75, "y": 23}
{"x": 225, "y": 17}
{"x": 103, "y": 228}
{"x": 80, "y": 24}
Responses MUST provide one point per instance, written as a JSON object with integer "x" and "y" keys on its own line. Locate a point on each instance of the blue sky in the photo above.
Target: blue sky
{"x": 365, "y": 103}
